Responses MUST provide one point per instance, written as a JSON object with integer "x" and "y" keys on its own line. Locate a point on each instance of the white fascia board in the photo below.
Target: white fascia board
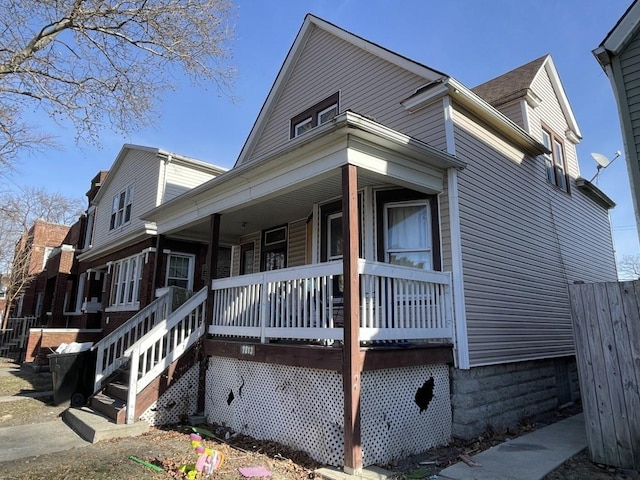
{"x": 456, "y": 90}
{"x": 310, "y": 147}
{"x": 113, "y": 246}
{"x": 410, "y": 172}
{"x": 619, "y": 36}
{"x": 563, "y": 100}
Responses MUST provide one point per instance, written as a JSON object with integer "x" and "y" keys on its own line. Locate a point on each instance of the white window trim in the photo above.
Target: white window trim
{"x": 121, "y": 218}
{"x": 331, "y": 217}
{"x": 419, "y": 203}
{"x": 191, "y": 259}
{"x": 322, "y": 112}
{"x": 48, "y": 252}
{"x": 120, "y": 285}
{"x": 298, "y": 127}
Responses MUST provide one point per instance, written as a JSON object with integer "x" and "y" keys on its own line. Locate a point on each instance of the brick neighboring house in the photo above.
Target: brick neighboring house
{"x": 33, "y": 249}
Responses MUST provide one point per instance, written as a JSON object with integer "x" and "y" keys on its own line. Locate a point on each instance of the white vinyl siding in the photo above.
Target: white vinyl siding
{"x": 180, "y": 179}
{"x": 514, "y": 112}
{"x": 519, "y": 251}
{"x": 141, "y": 169}
{"x": 297, "y": 243}
{"x": 367, "y": 84}
{"x": 254, "y": 238}
{"x": 550, "y": 113}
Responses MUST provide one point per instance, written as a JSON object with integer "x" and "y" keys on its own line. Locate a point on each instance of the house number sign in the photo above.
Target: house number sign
{"x": 248, "y": 350}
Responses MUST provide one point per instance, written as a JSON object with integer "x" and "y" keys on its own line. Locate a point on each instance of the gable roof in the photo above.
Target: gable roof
{"x": 511, "y": 85}
{"x": 159, "y": 153}
{"x": 311, "y": 22}
{"x": 517, "y": 84}
{"x": 620, "y": 35}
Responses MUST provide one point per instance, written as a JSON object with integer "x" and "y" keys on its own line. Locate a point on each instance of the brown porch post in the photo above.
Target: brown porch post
{"x": 157, "y": 267}
{"x": 351, "y": 368}
{"x": 212, "y": 268}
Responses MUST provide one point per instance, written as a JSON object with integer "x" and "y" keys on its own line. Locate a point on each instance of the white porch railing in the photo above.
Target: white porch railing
{"x": 110, "y": 350}
{"x": 396, "y": 303}
{"x": 162, "y": 345}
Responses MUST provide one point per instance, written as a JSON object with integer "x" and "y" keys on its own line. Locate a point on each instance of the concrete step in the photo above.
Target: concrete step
{"x": 93, "y": 426}
{"x": 118, "y": 390}
{"x": 109, "y": 406}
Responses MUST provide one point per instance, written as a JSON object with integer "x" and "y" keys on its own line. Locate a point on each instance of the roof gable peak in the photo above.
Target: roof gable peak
{"x": 310, "y": 23}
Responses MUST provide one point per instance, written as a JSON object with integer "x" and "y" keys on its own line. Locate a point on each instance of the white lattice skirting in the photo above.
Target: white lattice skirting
{"x": 303, "y": 408}
{"x": 179, "y": 400}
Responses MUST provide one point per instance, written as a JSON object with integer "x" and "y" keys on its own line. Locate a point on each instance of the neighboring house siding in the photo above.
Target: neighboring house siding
{"x": 551, "y": 114}
{"x": 180, "y": 179}
{"x": 367, "y": 84}
{"x": 629, "y": 60}
{"x": 140, "y": 168}
{"x": 515, "y": 289}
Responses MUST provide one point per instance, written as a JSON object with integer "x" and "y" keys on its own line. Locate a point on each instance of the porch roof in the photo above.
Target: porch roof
{"x": 286, "y": 182}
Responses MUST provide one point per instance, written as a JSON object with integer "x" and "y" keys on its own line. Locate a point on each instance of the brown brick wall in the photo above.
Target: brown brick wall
{"x": 43, "y": 341}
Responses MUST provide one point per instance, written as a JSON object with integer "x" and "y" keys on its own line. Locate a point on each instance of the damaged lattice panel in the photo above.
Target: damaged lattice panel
{"x": 298, "y": 407}
{"x": 403, "y": 411}
{"x": 180, "y": 400}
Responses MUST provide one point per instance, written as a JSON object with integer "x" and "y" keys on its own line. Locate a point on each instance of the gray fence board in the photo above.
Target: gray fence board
{"x": 606, "y": 322}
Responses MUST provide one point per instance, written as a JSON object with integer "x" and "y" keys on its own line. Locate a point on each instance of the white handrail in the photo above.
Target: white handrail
{"x": 110, "y": 349}
{"x": 164, "y": 344}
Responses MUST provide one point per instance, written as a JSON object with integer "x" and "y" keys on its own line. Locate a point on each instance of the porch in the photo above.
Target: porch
{"x": 305, "y": 304}
{"x": 341, "y": 285}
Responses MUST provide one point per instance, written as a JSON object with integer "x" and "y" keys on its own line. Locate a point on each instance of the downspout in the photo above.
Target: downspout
{"x": 459, "y": 311}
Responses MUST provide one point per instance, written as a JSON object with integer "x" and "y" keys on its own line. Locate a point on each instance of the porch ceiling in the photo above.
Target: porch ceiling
{"x": 284, "y": 185}
{"x": 293, "y": 205}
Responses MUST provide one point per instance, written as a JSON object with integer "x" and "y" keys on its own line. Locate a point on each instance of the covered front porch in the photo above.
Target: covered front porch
{"x": 339, "y": 252}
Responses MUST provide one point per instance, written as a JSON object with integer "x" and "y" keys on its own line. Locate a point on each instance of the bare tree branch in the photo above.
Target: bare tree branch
{"x": 103, "y": 64}
{"x": 629, "y": 267}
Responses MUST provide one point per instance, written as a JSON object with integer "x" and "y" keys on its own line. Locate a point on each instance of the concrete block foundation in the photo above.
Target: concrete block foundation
{"x": 501, "y": 396}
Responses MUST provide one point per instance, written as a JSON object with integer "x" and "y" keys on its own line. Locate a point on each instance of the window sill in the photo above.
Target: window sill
{"x": 123, "y": 308}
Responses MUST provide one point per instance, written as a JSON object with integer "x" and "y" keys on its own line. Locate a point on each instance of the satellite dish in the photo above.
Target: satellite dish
{"x": 603, "y": 162}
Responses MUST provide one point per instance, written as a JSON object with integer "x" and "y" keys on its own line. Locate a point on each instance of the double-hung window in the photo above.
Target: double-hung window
{"x": 121, "y": 205}
{"x": 126, "y": 281}
{"x": 555, "y": 161}
{"x": 180, "y": 271}
{"x": 321, "y": 112}
{"x": 408, "y": 235}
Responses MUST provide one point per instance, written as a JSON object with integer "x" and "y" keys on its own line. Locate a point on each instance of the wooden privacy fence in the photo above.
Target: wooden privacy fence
{"x": 606, "y": 324}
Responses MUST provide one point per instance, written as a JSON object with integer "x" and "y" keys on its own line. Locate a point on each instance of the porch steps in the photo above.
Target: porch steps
{"x": 93, "y": 426}
{"x": 112, "y": 407}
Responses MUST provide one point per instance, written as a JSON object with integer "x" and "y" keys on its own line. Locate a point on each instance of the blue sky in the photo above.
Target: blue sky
{"x": 470, "y": 40}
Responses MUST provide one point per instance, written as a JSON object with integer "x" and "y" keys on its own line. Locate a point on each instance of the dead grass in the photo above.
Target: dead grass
{"x": 18, "y": 382}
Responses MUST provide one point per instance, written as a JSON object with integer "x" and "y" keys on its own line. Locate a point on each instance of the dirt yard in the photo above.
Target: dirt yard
{"x": 170, "y": 448}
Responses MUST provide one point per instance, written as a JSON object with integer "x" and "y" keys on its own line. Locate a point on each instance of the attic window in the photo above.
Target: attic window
{"x": 555, "y": 161}
{"x": 320, "y": 113}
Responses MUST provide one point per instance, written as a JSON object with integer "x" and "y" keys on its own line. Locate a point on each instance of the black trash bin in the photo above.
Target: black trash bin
{"x": 73, "y": 376}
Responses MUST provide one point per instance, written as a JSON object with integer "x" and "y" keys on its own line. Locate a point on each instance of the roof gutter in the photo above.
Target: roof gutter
{"x": 461, "y": 94}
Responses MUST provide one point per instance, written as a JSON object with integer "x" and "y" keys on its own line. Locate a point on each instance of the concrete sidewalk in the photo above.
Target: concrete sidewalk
{"x": 529, "y": 457}
{"x": 24, "y": 441}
